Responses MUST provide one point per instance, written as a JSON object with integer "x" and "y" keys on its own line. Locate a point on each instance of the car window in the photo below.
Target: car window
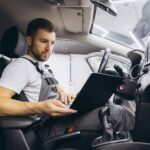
{"x": 130, "y": 27}
{"x": 94, "y": 60}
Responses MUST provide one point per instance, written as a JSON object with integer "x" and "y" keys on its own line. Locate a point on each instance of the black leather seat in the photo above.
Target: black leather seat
{"x": 13, "y": 45}
{"x": 142, "y": 126}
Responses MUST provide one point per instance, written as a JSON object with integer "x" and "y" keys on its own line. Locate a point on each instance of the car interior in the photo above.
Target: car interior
{"x": 75, "y": 44}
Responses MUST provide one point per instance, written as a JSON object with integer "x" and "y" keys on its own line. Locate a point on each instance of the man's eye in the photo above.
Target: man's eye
{"x": 44, "y": 41}
{"x": 52, "y": 42}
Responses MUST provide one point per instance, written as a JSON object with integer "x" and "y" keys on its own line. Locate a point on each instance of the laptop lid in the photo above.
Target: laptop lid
{"x": 96, "y": 91}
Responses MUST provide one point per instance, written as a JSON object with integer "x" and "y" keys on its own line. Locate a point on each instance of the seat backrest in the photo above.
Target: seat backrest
{"x": 12, "y": 45}
{"x": 3, "y": 63}
{"x": 142, "y": 125}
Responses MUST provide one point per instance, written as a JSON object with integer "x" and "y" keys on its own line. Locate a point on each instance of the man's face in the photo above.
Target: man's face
{"x": 41, "y": 44}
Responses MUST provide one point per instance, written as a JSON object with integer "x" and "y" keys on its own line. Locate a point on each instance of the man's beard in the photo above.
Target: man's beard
{"x": 43, "y": 56}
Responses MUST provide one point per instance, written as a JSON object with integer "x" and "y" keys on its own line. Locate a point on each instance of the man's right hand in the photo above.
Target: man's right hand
{"x": 13, "y": 107}
{"x": 56, "y": 108}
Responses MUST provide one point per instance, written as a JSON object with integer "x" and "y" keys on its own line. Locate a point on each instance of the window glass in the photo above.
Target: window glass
{"x": 94, "y": 61}
{"x": 130, "y": 27}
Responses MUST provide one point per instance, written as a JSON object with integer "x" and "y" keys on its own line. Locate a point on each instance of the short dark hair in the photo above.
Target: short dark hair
{"x": 39, "y": 23}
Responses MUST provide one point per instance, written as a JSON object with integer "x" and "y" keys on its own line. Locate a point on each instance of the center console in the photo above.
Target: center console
{"x": 110, "y": 135}
{"x": 119, "y": 137}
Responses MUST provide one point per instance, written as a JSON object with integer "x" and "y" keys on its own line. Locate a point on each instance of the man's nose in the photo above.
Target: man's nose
{"x": 49, "y": 47}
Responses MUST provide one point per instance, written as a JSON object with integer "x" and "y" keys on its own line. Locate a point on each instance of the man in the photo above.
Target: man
{"x": 41, "y": 91}
{"x": 40, "y": 44}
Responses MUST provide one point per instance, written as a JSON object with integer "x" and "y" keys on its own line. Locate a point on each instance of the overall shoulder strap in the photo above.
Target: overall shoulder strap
{"x": 35, "y": 64}
{"x": 48, "y": 87}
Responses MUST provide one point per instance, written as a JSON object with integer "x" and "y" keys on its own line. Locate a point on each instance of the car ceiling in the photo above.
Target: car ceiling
{"x": 20, "y": 12}
{"x": 72, "y": 20}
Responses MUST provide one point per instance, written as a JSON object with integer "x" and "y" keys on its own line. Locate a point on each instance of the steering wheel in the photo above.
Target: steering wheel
{"x": 104, "y": 61}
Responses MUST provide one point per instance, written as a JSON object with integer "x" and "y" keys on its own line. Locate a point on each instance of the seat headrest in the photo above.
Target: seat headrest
{"x": 135, "y": 57}
{"x": 13, "y": 43}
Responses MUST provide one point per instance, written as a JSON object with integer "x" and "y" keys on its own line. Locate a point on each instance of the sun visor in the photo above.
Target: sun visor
{"x": 73, "y": 19}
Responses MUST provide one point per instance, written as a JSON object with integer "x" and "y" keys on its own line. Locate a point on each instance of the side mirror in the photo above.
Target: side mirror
{"x": 106, "y": 5}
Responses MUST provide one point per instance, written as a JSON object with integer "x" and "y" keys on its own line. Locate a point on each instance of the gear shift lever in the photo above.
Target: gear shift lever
{"x": 108, "y": 134}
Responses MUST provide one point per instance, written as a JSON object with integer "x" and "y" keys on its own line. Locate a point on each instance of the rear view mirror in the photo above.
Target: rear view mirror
{"x": 106, "y": 5}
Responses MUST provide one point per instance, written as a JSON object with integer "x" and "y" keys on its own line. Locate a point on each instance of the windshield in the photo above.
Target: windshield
{"x": 130, "y": 27}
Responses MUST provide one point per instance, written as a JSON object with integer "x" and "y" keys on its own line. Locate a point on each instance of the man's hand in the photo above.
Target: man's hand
{"x": 65, "y": 98}
{"x": 56, "y": 108}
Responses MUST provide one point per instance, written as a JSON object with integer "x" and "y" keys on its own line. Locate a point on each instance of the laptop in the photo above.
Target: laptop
{"x": 96, "y": 91}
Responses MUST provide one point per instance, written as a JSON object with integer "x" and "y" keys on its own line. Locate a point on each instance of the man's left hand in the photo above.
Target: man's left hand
{"x": 65, "y": 98}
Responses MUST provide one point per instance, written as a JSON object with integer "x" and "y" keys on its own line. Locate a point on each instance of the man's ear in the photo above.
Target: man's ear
{"x": 29, "y": 40}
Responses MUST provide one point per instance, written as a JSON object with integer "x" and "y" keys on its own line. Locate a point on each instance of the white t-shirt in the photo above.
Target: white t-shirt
{"x": 20, "y": 75}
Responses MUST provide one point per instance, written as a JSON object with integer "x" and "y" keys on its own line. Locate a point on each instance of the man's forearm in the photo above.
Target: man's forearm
{"x": 11, "y": 107}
